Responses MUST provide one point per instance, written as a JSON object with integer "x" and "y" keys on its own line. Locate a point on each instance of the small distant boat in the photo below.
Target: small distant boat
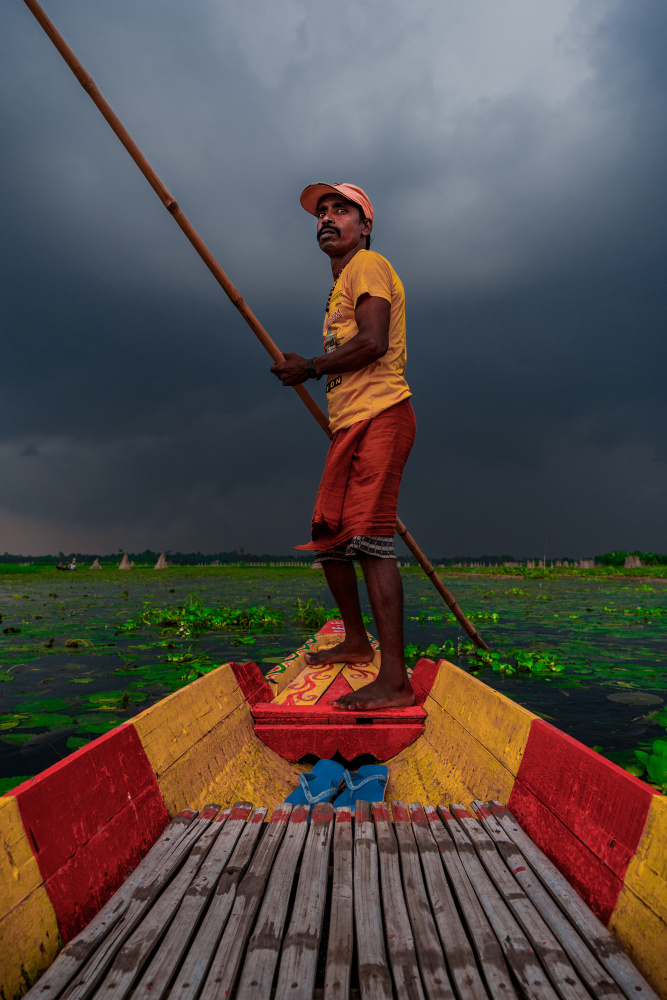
{"x": 73, "y": 834}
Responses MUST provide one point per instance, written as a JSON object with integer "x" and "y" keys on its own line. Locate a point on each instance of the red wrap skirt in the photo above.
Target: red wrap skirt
{"x": 358, "y": 494}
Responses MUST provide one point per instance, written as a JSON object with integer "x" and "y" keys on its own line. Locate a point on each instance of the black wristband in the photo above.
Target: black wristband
{"x": 311, "y": 370}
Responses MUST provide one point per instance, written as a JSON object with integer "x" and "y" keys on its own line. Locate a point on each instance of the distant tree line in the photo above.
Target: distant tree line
{"x": 618, "y": 558}
{"x": 150, "y": 556}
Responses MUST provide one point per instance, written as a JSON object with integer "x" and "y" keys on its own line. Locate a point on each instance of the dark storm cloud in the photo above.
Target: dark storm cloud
{"x": 515, "y": 157}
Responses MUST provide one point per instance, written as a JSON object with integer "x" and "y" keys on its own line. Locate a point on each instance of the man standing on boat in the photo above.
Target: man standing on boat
{"x": 373, "y": 427}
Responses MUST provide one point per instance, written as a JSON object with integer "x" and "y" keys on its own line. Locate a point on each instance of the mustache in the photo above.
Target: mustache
{"x": 328, "y": 229}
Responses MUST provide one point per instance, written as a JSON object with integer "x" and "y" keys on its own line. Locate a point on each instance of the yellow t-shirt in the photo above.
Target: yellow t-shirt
{"x": 354, "y": 396}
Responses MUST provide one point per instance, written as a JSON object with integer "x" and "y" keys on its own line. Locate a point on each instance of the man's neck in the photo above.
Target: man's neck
{"x": 338, "y": 263}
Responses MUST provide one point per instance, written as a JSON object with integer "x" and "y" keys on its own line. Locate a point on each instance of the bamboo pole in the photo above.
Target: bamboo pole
{"x": 230, "y": 290}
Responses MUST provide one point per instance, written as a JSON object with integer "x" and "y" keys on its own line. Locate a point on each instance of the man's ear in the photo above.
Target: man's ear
{"x": 367, "y": 227}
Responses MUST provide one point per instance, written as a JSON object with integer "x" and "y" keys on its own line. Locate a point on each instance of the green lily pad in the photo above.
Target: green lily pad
{"x": 635, "y": 698}
{"x": 76, "y": 742}
{"x": 50, "y": 720}
{"x": 11, "y": 720}
{"x": 115, "y": 698}
{"x": 657, "y": 769}
{"x": 43, "y": 705}
{"x": 98, "y": 723}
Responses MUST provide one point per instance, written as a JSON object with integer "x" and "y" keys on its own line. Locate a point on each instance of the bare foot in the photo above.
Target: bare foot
{"x": 376, "y": 695}
{"x": 344, "y": 652}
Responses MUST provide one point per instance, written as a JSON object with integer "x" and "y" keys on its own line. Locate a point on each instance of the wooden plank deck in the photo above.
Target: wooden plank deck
{"x": 412, "y": 902}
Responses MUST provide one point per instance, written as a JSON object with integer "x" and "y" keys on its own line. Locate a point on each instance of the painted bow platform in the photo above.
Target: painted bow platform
{"x": 302, "y": 718}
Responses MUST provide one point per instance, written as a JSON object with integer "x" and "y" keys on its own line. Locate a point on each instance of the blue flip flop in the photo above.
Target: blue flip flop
{"x": 368, "y": 783}
{"x": 320, "y": 785}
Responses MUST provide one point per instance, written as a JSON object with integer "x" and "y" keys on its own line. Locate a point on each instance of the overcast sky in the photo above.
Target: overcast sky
{"x": 514, "y": 151}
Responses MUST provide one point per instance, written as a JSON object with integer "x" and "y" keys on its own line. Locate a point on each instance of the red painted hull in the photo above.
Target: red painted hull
{"x": 71, "y": 835}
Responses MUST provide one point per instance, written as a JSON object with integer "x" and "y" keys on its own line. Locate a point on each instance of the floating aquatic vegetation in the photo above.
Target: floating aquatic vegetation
{"x": 622, "y": 648}
{"x": 6, "y": 784}
{"x": 311, "y": 614}
{"x": 508, "y": 662}
{"x": 650, "y": 761}
{"x": 652, "y": 765}
{"x": 447, "y": 651}
{"x": 193, "y": 616}
{"x": 424, "y": 616}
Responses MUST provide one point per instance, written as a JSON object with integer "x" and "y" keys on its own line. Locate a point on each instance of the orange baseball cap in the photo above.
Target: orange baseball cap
{"x": 311, "y": 195}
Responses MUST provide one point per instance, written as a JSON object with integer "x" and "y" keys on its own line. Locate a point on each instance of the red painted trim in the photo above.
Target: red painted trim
{"x": 401, "y": 814}
{"x": 294, "y": 741}
{"x": 585, "y": 813}
{"x": 209, "y": 812}
{"x": 323, "y": 812}
{"x": 322, "y": 712}
{"x": 332, "y": 628}
{"x": 423, "y": 678}
{"x": 252, "y": 682}
{"x": 89, "y": 820}
{"x": 338, "y": 689}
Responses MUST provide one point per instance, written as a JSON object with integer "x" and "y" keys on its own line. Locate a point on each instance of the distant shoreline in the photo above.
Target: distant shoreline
{"x": 645, "y": 574}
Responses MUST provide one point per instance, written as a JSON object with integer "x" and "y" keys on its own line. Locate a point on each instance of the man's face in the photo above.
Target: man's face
{"x": 339, "y": 225}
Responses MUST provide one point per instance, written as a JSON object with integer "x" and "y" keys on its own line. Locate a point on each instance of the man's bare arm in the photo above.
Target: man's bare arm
{"x": 368, "y": 345}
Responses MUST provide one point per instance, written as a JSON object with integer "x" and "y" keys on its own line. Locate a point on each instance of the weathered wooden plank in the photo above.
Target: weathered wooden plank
{"x": 517, "y": 949}
{"x": 132, "y": 957}
{"x": 374, "y": 978}
{"x": 298, "y": 965}
{"x": 547, "y": 947}
{"x": 599, "y": 982}
{"x": 227, "y": 960}
{"x": 191, "y": 976}
{"x": 429, "y": 951}
{"x": 484, "y": 940}
{"x": 460, "y": 956}
{"x": 398, "y": 930}
{"x": 90, "y": 976}
{"x": 341, "y": 921}
{"x": 156, "y": 978}
{"x": 264, "y": 945}
{"x": 80, "y": 948}
{"x": 593, "y": 931}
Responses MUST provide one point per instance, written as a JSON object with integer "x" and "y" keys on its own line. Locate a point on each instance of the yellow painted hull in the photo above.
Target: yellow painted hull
{"x": 71, "y": 835}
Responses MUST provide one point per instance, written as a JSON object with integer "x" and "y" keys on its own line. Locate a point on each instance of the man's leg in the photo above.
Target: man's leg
{"x": 391, "y": 688}
{"x": 355, "y": 648}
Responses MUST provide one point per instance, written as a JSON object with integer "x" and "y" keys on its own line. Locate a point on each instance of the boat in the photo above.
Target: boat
{"x": 72, "y": 835}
